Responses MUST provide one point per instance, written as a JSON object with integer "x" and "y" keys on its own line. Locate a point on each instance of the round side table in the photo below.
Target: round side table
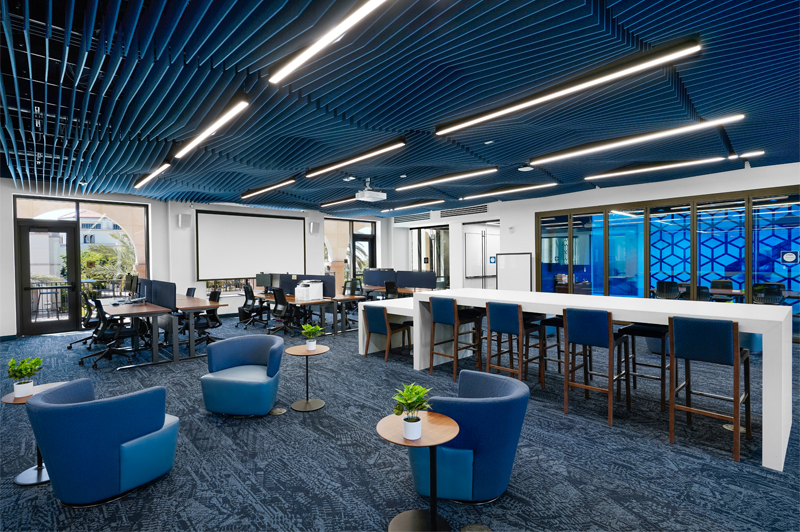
{"x": 307, "y": 405}
{"x": 36, "y": 474}
{"x": 436, "y": 430}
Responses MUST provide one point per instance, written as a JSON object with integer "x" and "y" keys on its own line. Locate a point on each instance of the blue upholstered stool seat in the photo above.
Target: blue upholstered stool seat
{"x": 244, "y": 375}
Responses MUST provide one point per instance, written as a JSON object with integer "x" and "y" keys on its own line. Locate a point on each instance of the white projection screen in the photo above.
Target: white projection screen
{"x": 233, "y": 246}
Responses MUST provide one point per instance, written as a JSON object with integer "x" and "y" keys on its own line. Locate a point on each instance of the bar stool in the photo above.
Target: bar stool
{"x": 378, "y": 323}
{"x": 717, "y": 342}
{"x": 647, "y": 330}
{"x": 594, "y": 328}
{"x": 507, "y": 318}
{"x": 558, "y": 323}
{"x": 445, "y": 311}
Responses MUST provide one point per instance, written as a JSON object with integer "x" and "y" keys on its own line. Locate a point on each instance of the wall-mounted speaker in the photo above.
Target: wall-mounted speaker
{"x": 184, "y": 221}
{"x": 313, "y": 228}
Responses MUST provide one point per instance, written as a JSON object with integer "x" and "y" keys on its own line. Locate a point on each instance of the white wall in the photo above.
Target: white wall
{"x": 401, "y": 249}
{"x": 521, "y": 215}
{"x": 172, "y": 249}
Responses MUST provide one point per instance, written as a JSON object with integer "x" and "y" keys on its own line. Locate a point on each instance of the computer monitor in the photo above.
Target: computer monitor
{"x": 276, "y": 280}
{"x": 131, "y": 283}
{"x": 264, "y": 280}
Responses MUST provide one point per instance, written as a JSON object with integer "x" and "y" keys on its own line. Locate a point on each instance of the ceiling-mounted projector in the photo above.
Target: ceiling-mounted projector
{"x": 370, "y": 195}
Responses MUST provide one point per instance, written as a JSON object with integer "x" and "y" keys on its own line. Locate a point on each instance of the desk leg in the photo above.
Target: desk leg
{"x": 135, "y": 339}
{"x": 176, "y": 352}
{"x": 35, "y": 475}
{"x": 334, "y": 304}
{"x": 154, "y": 337}
{"x": 323, "y": 309}
{"x": 191, "y": 333}
{"x": 776, "y": 394}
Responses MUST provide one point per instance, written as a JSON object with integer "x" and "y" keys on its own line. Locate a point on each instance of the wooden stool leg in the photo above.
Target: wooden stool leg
{"x": 688, "y": 388}
{"x": 366, "y": 347}
{"x": 566, "y": 380}
{"x": 433, "y": 340}
{"x": 388, "y": 345}
{"x": 747, "y": 427}
{"x": 558, "y": 346}
{"x": 586, "y": 359}
{"x": 663, "y": 371}
{"x": 455, "y": 351}
{"x": 737, "y": 410}
{"x": 627, "y": 378}
{"x": 619, "y": 369}
{"x": 633, "y": 361}
{"x": 610, "y": 385}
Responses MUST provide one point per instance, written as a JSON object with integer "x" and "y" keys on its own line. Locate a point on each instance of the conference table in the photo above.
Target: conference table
{"x": 772, "y": 322}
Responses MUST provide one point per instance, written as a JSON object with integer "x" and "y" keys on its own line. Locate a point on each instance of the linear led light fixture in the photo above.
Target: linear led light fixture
{"x": 392, "y": 146}
{"x": 638, "y": 139}
{"x": 447, "y": 178}
{"x": 146, "y": 179}
{"x": 338, "y": 202}
{"x": 687, "y": 49}
{"x": 655, "y": 168}
{"x": 210, "y": 130}
{"x": 251, "y": 193}
{"x": 752, "y": 154}
{"x": 508, "y": 191}
{"x": 327, "y": 39}
{"x": 421, "y": 204}
{"x": 776, "y": 198}
{"x": 623, "y": 213}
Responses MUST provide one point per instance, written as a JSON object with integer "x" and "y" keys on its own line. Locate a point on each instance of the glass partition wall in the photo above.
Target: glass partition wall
{"x": 742, "y": 247}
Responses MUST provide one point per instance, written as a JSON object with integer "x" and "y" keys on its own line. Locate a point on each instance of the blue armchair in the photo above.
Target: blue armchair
{"x": 96, "y": 450}
{"x": 476, "y": 465}
{"x": 243, "y": 375}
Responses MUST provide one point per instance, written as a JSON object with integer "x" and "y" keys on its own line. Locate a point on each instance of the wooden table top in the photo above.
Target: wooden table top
{"x": 436, "y": 429}
{"x": 291, "y": 299}
{"x": 9, "y": 398}
{"x": 132, "y": 311}
{"x": 376, "y": 288}
{"x": 342, "y": 297}
{"x": 183, "y": 302}
{"x": 301, "y": 351}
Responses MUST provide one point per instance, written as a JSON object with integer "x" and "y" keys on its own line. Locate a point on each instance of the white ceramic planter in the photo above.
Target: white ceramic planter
{"x": 311, "y": 345}
{"x": 412, "y": 430}
{"x": 23, "y": 389}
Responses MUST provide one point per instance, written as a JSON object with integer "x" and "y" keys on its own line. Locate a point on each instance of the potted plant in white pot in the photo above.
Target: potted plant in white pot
{"x": 311, "y": 332}
{"x": 22, "y": 372}
{"x": 410, "y": 400}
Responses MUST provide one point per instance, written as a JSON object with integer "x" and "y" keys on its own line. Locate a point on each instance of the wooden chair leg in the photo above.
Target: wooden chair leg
{"x": 737, "y": 411}
{"x": 455, "y": 353}
{"x": 366, "y": 347}
{"x": 586, "y": 359}
{"x": 747, "y": 426}
{"x": 688, "y": 388}
{"x": 663, "y": 371}
{"x": 619, "y": 369}
{"x": 627, "y": 378}
{"x": 633, "y": 359}
{"x": 566, "y": 380}
{"x": 542, "y": 354}
{"x": 672, "y": 371}
{"x": 610, "y": 385}
{"x": 388, "y": 346}
{"x": 433, "y": 339}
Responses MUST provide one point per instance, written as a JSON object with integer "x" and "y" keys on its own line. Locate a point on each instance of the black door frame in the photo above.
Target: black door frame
{"x": 25, "y": 326}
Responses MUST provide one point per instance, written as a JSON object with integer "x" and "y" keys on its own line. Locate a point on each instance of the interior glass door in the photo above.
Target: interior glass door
{"x": 47, "y": 277}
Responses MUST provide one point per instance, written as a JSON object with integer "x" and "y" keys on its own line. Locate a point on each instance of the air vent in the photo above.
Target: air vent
{"x": 477, "y": 209}
{"x": 412, "y": 217}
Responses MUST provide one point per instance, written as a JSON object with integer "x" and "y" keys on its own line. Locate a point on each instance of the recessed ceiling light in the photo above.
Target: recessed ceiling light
{"x": 655, "y": 168}
{"x": 752, "y": 154}
{"x": 210, "y": 130}
{"x": 251, "y": 193}
{"x": 338, "y": 202}
{"x": 143, "y": 181}
{"x": 383, "y": 149}
{"x": 638, "y": 139}
{"x": 420, "y": 204}
{"x": 661, "y": 57}
{"x": 449, "y": 177}
{"x": 402, "y": 175}
{"x": 508, "y": 191}
{"x": 489, "y": 142}
{"x": 525, "y": 168}
{"x": 83, "y": 183}
{"x": 327, "y": 39}
{"x": 349, "y": 178}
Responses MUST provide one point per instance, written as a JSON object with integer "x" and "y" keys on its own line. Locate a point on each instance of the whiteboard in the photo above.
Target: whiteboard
{"x": 231, "y": 246}
{"x": 514, "y": 271}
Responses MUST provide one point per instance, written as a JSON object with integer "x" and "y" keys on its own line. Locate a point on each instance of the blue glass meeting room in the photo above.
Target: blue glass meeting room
{"x": 405, "y": 265}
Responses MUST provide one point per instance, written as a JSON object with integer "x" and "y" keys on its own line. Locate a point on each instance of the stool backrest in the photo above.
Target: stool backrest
{"x": 667, "y": 290}
{"x": 443, "y": 310}
{"x": 376, "y": 319}
{"x": 588, "y": 327}
{"x": 503, "y": 317}
{"x": 704, "y": 340}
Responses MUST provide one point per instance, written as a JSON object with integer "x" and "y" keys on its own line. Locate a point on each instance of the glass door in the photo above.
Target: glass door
{"x": 47, "y": 277}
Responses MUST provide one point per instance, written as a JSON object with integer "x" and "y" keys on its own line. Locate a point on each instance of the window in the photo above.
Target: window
{"x": 90, "y": 226}
{"x": 720, "y": 243}
{"x": 349, "y": 248}
{"x": 554, "y": 254}
{"x": 430, "y": 251}
{"x": 587, "y": 254}
{"x": 88, "y": 239}
{"x": 670, "y": 246}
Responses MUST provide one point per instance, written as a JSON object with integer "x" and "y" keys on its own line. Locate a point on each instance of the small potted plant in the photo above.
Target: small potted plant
{"x": 22, "y": 372}
{"x": 410, "y": 400}
{"x": 311, "y": 332}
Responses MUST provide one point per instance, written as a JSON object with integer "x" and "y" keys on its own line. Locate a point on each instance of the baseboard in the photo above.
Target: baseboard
{"x": 8, "y": 338}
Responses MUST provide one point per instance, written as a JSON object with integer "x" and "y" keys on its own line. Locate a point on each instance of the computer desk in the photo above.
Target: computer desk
{"x": 322, "y": 303}
{"x": 190, "y": 306}
{"x": 137, "y": 312}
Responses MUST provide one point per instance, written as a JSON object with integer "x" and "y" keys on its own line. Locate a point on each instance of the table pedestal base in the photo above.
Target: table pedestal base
{"x": 32, "y": 476}
{"x": 308, "y": 405}
{"x": 417, "y": 521}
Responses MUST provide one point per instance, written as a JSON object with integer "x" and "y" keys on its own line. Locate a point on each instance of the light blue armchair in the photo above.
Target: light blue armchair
{"x": 96, "y": 450}
{"x": 243, "y": 375}
{"x": 476, "y": 465}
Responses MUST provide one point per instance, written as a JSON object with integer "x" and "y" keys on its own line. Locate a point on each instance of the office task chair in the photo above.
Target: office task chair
{"x": 98, "y": 450}
{"x": 250, "y": 312}
{"x": 508, "y": 319}
{"x": 716, "y": 342}
{"x": 667, "y": 290}
{"x": 391, "y": 290}
{"x": 351, "y": 288}
{"x": 441, "y": 283}
{"x": 190, "y": 291}
{"x": 88, "y": 321}
{"x": 243, "y": 375}
{"x": 724, "y": 284}
{"x": 476, "y": 465}
{"x": 703, "y": 293}
{"x": 594, "y": 328}
{"x": 768, "y": 293}
{"x": 113, "y": 334}
{"x": 378, "y": 323}
{"x": 282, "y": 312}
{"x": 445, "y": 311}
{"x": 208, "y": 320}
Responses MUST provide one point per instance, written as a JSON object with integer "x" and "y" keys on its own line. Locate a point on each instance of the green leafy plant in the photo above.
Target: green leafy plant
{"x": 412, "y": 398}
{"x": 23, "y": 370}
{"x": 311, "y": 331}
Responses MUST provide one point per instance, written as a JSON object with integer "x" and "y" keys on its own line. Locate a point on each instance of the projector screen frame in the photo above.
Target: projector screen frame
{"x": 197, "y": 214}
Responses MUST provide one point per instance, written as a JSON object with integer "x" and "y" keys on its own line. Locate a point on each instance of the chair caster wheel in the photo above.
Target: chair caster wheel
{"x": 84, "y": 342}
{"x": 80, "y": 362}
{"x": 237, "y": 325}
{"x": 69, "y": 347}
{"x": 94, "y": 366}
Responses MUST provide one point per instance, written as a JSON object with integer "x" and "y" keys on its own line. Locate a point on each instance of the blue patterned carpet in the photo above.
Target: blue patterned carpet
{"x": 329, "y": 470}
